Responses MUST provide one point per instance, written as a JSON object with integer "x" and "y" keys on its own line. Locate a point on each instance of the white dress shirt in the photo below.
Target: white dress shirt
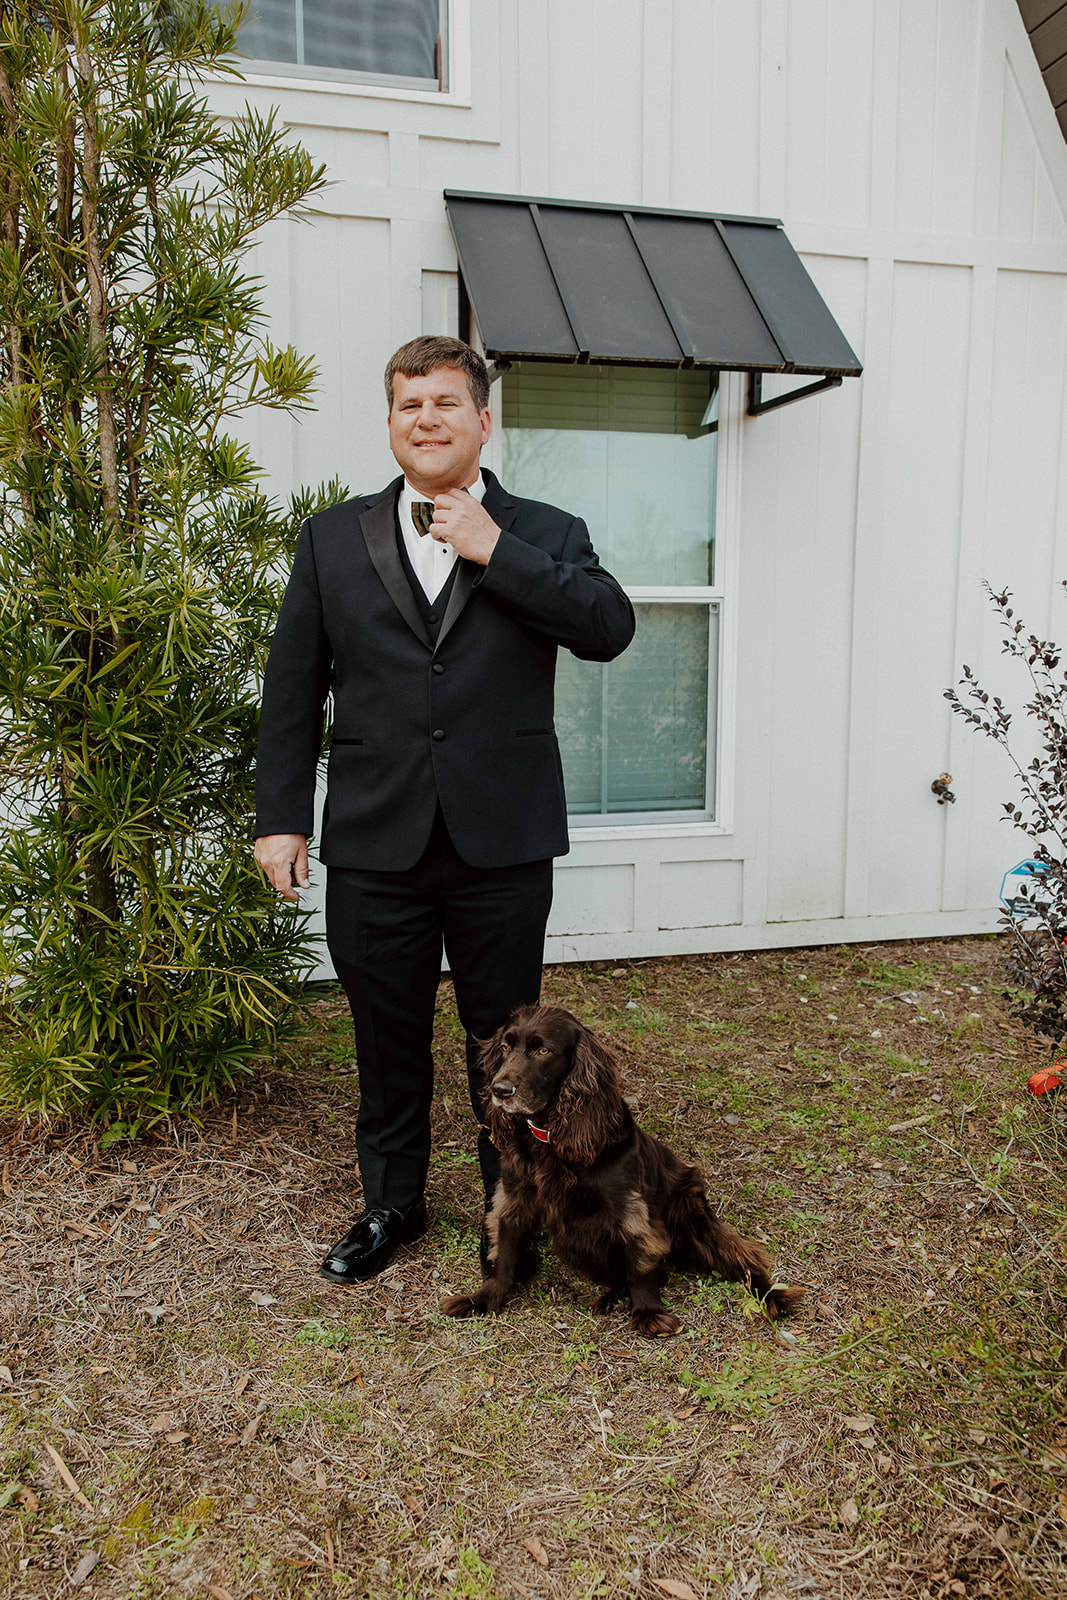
{"x": 431, "y": 560}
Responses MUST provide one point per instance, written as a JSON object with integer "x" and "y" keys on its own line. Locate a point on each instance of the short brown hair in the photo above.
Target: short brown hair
{"x": 420, "y": 356}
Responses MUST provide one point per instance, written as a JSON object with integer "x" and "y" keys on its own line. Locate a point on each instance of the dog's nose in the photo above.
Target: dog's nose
{"x": 503, "y": 1091}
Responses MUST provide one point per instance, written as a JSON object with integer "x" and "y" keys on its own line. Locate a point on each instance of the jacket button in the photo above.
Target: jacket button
{"x": 438, "y": 668}
{"x": 438, "y": 734}
{"x": 432, "y": 617}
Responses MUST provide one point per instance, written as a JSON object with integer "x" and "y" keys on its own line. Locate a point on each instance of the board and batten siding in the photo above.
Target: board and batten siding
{"x": 913, "y": 154}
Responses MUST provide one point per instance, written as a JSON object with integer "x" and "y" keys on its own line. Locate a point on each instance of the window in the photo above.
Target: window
{"x": 633, "y": 451}
{"x": 397, "y": 40}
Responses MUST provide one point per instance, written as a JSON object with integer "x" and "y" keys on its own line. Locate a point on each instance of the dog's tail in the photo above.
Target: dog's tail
{"x": 704, "y": 1243}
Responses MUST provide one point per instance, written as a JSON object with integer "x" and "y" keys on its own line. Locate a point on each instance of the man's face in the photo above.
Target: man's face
{"x": 436, "y": 432}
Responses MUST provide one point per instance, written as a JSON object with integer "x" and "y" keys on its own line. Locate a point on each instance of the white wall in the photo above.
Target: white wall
{"x": 910, "y": 148}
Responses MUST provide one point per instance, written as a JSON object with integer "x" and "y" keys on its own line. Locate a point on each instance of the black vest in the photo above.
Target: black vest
{"x": 432, "y": 612}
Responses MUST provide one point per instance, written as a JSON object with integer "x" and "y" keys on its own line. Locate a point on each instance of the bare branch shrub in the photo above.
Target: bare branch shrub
{"x": 1036, "y": 960}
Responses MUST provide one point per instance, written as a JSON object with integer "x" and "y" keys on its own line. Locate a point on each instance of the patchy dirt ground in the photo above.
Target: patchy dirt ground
{"x": 186, "y": 1409}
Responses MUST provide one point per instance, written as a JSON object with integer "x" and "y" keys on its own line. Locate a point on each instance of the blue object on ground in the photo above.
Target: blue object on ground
{"x": 1022, "y": 892}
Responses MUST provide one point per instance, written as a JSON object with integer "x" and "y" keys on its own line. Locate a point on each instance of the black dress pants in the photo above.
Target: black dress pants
{"x": 385, "y": 932}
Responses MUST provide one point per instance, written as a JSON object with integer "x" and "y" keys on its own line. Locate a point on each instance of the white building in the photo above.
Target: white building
{"x": 756, "y": 771}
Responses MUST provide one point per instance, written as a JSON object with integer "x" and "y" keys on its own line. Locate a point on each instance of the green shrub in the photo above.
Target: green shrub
{"x": 144, "y": 961}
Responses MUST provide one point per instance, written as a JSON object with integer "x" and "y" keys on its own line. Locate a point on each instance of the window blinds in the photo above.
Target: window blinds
{"x": 608, "y": 399}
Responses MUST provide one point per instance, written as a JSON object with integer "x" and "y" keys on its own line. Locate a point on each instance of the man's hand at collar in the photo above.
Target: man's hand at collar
{"x": 462, "y": 522}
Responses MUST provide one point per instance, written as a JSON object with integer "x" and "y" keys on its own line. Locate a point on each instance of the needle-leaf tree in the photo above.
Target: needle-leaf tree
{"x": 144, "y": 961}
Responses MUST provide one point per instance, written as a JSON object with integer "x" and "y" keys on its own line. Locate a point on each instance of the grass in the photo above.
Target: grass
{"x": 239, "y": 1428}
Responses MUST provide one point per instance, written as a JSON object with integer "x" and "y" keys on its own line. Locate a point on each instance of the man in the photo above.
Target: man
{"x": 432, "y": 612}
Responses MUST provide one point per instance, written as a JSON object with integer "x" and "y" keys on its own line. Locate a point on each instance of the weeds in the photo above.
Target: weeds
{"x": 333, "y": 1337}
{"x": 905, "y": 1431}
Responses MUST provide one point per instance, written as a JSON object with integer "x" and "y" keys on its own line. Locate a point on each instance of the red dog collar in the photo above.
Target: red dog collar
{"x": 538, "y": 1133}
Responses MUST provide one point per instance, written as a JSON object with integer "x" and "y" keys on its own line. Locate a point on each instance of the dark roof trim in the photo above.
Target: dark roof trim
{"x": 1046, "y": 23}
{"x": 607, "y": 205}
{"x": 574, "y": 281}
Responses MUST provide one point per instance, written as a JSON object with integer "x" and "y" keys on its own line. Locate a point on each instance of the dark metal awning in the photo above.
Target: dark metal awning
{"x": 566, "y": 280}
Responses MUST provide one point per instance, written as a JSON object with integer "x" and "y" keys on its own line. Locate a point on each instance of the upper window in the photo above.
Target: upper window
{"x": 395, "y": 41}
{"x": 632, "y": 450}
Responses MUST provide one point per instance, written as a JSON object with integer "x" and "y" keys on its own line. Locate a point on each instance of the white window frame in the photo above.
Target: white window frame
{"x": 455, "y": 49}
{"x": 718, "y": 820}
{"x": 710, "y": 598}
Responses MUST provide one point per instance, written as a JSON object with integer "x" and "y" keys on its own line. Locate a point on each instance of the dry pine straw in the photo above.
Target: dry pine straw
{"x": 186, "y": 1409}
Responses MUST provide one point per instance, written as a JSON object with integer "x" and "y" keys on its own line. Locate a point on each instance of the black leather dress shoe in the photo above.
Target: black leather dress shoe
{"x": 372, "y": 1241}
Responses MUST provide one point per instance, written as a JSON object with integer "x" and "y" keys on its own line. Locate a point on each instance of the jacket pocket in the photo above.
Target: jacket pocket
{"x": 532, "y": 733}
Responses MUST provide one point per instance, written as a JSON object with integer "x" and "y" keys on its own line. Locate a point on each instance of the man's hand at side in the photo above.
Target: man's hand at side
{"x": 284, "y": 858}
{"x": 464, "y": 523}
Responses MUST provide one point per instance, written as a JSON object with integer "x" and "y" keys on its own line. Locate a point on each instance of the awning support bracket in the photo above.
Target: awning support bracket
{"x": 757, "y": 405}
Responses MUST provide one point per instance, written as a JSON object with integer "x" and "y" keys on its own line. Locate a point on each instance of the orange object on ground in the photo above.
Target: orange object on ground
{"x": 1048, "y": 1078}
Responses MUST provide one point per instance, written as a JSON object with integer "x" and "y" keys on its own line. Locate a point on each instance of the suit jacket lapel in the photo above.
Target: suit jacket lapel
{"x": 502, "y": 509}
{"x": 378, "y": 523}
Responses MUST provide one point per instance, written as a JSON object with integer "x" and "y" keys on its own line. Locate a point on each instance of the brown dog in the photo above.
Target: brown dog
{"x": 619, "y": 1206}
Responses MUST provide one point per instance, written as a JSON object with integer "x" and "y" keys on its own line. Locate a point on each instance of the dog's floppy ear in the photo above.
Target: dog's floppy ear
{"x": 500, "y": 1126}
{"x": 589, "y": 1109}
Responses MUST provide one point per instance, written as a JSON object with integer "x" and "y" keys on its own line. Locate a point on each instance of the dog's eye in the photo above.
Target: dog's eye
{"x": 542, "y": 1052}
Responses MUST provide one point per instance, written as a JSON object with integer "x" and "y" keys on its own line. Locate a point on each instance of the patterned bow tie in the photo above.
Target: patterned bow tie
{"x": 422, "y": 515}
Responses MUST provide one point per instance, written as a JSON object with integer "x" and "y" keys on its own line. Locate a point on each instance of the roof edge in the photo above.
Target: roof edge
{"x": 608, "y": 205}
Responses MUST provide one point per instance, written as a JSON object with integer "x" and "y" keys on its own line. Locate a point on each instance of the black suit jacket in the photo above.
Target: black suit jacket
{"x": 466, "y": 721}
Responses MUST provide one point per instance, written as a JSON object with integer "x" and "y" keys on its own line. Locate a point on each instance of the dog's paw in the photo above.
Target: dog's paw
{"x": 780, "y": 1300}
{"x": 655, "y": 1324}
{"x": 605, "y": 1302}
{"x": 461, "y": 1305}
